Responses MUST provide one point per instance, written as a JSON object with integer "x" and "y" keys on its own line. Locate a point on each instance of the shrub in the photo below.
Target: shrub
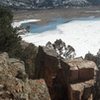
{"x": 9, "y": 40}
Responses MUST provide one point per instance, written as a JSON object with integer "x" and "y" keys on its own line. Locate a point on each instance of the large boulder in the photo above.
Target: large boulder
{"x": 10, "y": 66}
{"x": 14, "y": 83}
{"x": 29, "y": 57}
{"x": 63, "y": 77}
{"x": 81, "y": 70}
{"x": 46, "y": 64}
{"x": 81, "y": 91}
{"x": 12, "y": 88}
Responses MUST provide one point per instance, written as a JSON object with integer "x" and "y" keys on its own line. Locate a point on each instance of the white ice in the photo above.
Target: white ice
{"x": 18, "y": 23}
{"x": 83, "y": 35}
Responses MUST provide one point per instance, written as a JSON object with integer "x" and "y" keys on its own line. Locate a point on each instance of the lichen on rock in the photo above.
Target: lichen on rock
{"x": 14, "y": 83}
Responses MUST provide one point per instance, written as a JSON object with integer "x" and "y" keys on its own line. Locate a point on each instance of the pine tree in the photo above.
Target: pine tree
{"x": 9, "y": 40}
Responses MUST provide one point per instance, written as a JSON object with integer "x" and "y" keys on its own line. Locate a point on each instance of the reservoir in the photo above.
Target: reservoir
{"x": 81, "y": 33}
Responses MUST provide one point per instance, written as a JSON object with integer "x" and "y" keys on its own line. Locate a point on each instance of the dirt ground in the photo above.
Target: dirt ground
{"x": 49, "y": 14}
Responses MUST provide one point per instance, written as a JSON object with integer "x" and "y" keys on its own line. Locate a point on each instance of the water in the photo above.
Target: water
{"x": 37, "y": 29}
{"x": 81, "y": 33}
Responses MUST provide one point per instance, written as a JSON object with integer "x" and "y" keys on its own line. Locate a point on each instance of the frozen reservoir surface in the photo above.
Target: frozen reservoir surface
{"x": 82, "y": 33}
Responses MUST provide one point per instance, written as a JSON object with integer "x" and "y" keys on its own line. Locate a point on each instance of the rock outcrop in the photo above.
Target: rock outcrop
{"x": 82, "y": 79}
{"x": 14, "y": 83}
{"x": 66, "y": 79}
{"x": 81, "y": 70}
{"x": 96, "y": 59}
{"x": 71, "y": 79}
{"x": 29, "y": 57}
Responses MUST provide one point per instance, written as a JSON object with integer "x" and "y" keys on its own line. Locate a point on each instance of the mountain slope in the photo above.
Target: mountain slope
{"x": 46, "y": 3}
{"x": 77, "y": 2}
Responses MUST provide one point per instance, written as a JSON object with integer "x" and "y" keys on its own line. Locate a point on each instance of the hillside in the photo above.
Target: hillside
{"x": 35, "y": 4}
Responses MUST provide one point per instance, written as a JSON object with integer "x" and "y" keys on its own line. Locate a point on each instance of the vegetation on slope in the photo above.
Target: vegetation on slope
{"x": 9, "y": 40}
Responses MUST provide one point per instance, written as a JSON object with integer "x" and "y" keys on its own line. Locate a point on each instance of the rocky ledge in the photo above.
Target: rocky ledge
{"x": 72, "y": 79}
{"x": 14, "y": 83}
{"x": 55, "y": 78}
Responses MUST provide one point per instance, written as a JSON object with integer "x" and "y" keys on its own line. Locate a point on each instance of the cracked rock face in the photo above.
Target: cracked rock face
{"x": 14, "y": 83}
{"x": 73, "y": 81}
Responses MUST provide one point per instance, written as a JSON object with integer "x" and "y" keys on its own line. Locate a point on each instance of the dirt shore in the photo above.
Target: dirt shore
{"x": 49, "y": 14}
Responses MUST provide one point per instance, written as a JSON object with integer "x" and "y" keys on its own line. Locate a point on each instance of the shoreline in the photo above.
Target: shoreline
{"x": 19, "y": 23}
{"x": 79, "y": 34}
{"x": 49, "y": 14}
{"x": 82, "y": 42}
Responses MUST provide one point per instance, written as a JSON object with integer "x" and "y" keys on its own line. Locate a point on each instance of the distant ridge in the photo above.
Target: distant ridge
{"x": 35, "y": 4}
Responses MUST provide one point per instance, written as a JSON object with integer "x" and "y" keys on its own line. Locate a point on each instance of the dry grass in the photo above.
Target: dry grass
{"x": 48, "y": 15}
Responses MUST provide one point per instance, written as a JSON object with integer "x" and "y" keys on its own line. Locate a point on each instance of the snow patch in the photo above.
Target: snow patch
{"x": 19, "y": 23}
